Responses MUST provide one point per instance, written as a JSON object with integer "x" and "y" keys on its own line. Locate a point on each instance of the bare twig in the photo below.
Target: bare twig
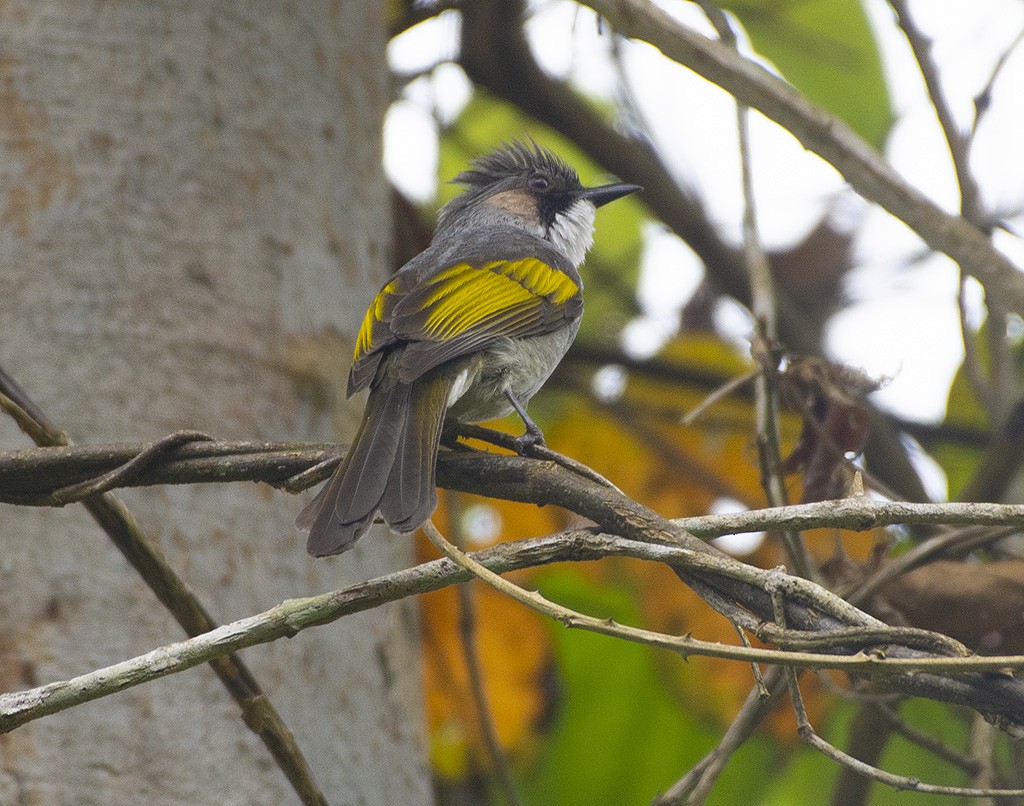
{"x": 898, "y": 782}
{"x": 764, "y": 308}
{"x": 762, "y": 689}
{"x": 731, "y": 587}
{"x": 30, "y": 476}
{"x": 919, "y": 555}
{"x": 983, "y": 100}
{"x": 825, "y": 135}
{"x": 294, "y": 615}
{"x": 507, "y": 441}
{"x": 958, "y": 141}
{"x": 983, "y": 752}
{"x": 991, "y": 392}
{"x": 726, "y": 389}
{"x": 922, "y": 739}
{"x": 537, "y": 602}
{"x": 808, "y": 735}
{"x": 695, "y": 786}
{"x": 477, "y": 685}
{"x": 120, "y": 476}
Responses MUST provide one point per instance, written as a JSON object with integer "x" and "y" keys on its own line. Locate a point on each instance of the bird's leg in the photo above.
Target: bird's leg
{"x": 533, "y": 436}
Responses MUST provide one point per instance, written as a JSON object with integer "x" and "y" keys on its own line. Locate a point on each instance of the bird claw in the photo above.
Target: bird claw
{"x": 533, "y": 438}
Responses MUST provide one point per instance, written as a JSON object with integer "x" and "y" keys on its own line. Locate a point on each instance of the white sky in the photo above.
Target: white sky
{"x": 903, "y": 322}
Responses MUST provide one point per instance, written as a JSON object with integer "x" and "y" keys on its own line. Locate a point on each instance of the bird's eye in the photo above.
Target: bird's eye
{"x": 539, "y": 182}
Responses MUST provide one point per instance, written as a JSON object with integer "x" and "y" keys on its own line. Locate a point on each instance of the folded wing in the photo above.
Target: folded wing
{"x": 459, "y": 310}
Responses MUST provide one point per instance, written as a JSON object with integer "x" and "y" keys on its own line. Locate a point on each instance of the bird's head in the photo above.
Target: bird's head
{"x": 529, "y": 187}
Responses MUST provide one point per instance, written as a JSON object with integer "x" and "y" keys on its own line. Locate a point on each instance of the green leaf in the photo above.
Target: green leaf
{"x": 960, "y": 460}
{"x": 619, "y": 736}
{"x": 906, "y": 758}
{"x": 826, "y": 49}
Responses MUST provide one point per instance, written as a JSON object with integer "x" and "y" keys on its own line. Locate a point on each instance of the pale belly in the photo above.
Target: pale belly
{"x": 520, "y": 366}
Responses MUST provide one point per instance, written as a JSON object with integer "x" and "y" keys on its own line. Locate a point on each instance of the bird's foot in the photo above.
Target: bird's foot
{"x": 533, "y": 438}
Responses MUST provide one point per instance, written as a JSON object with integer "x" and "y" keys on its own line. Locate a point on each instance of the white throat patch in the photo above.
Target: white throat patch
{"x": 572, "y": 231}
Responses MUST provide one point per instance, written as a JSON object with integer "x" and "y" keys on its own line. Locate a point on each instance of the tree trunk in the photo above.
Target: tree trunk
{"x": 192, "y": 218}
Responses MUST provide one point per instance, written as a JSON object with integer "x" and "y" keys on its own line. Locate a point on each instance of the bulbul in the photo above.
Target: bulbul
{"x": 470, "y": 328}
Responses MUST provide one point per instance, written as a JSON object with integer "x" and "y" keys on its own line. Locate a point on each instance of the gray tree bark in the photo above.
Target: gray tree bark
{"x": 192, "y": 218}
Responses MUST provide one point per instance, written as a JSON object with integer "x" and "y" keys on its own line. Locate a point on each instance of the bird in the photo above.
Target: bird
{"x": 468, "y": 329}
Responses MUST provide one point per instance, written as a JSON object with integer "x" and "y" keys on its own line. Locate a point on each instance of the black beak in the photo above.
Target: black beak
{"x": 608, "y": 193}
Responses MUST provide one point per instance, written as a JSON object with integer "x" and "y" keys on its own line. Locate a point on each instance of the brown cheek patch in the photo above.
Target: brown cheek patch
{"x": 517, "y": 202}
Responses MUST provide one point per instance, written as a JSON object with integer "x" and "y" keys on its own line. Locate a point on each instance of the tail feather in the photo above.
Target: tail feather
{"x": 411, "y": 493}
{"x": 339, "y": 515}
{"x": 389, "y": 467}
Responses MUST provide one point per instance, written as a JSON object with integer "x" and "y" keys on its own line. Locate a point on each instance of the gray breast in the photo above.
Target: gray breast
{"x": 520, "y": 365}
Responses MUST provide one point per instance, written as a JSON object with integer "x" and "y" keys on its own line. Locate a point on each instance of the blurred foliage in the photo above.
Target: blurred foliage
{"x": 824, "y": 48}
{"x": 630, "y": 718}
{"x": 586, "y": 718}
{"x": 964, "y": 410}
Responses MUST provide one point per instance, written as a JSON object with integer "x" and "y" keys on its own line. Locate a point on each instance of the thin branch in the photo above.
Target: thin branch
{"x": 919, "y": 555}
{"x": 531, "y": 599}
{"x": 982, "y": 741}
{"x": 731, "y": 587}
{"x": 992, "y": 394}
{"x": 258, "y": 712}
{"x": 922, "y": 739}
{"x": 859, "y": 514}
{"x": 1002, "y": 369}
{"x": 726, "y": 389}
{"x": 810, "y": 737}
{"x": 30, "y": 476}
{"x": 898, "y": 782}
{"x": 825, "y": 135}
{"x": 290, "y": 617}
{"x": 474, "y": 670}
{"x": 696, "y": 785}
{"x": 983, "y": 100}
{"x": 958, "y": 142}
{"x": 123, "y": 474}
{"x": 778, "y": 581}
{"x": 972, "y": 361}
{"x": 762, "y": 689}
{"x": 764, "y": 308}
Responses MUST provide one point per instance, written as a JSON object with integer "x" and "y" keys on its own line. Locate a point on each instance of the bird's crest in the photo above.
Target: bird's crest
{"x": 515, "y": 158}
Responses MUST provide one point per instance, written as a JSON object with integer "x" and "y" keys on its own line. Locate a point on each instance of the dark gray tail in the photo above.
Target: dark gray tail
{"x": 388, "y": 468}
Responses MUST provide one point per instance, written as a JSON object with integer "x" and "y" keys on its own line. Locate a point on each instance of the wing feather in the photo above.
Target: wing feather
{"x": 459, "y": 310}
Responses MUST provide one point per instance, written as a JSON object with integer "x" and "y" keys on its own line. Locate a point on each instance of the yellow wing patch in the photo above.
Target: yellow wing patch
{"x": 465, "y": 295}
{"x": 455, "y": 300}
{"x": 539, "y": 277}
{"x": 374, "y": 314}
